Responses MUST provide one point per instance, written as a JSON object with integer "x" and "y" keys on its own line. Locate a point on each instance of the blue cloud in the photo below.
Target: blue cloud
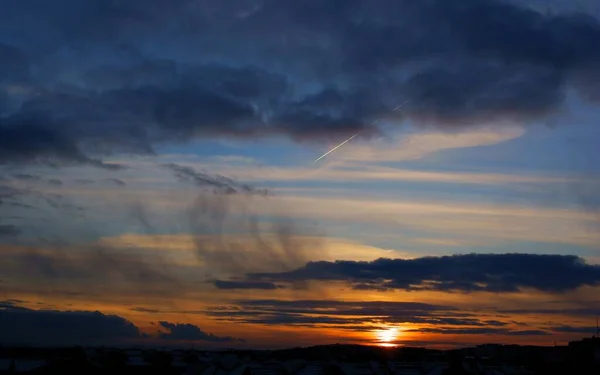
{"x": 105, "y": 77}
{"x": 498, "y": 273}
{"x": 183, "y": 331}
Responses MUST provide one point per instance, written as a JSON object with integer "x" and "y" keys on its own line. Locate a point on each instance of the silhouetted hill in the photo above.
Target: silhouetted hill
{"x": 581, "y": 357}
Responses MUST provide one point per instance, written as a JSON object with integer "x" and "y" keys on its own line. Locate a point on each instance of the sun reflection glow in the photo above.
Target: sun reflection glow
{"x": 386, "y": 337}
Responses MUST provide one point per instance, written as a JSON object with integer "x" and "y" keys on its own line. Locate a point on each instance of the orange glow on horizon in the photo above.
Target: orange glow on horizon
{"x": 387, "y": 337}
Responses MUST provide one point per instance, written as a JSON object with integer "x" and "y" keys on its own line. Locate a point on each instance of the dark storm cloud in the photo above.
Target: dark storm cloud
{"x": 47, "y": 327}
{"x": 83, "y": 80}
{"x": 498, "y": 273}
{"x": 190, "y": 332}
{"x": 39, "y": 140}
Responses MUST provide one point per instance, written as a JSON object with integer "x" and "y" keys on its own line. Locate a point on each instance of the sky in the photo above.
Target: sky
{"x": 158, "y": 182}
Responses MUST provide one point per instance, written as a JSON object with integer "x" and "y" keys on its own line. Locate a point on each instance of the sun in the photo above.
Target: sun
{"x": 387, "y": 336}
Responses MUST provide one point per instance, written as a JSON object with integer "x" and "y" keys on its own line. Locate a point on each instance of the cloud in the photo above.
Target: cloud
{"x": 90, "y": 270}
{"x": 104, "y": 78}
{"x": 497, "y": 273}
{"x": 481, "y": 331}
{"x": 357, "y": 163}
{"x": 25, "y": 140}
{"x": 225, "y": 239}
{"x": 55, "y": 181}
{"x": 347, "y": 315}
{"x": 572, "y": 329}
{"x": 46, "y": 327}
{"x": 190, "y": 332}
{"x": 316, "y": 248}
{"x": 269, "y": 245}
{"x": 588, "y": 312}
{"x": 20, "y": 325}
{"x": 9, "y": 193}
{"x": 63, "y": 259}
{"x": 301, "y": 312}
{"x": 9, "y": 230}
{"x": 417, "y": 146}
{"x": 16, "y": 194}
{"x": 117, "y": 181}
{"x": 220, "y": 183}
{"x": 12, "y": 304}
{"x": 83, "y": 181}
{"x": 486, "y": 223}
{"x": 26, "y": 177}
{"x": 472, "y": 220}
{"x": 224, "y": 284}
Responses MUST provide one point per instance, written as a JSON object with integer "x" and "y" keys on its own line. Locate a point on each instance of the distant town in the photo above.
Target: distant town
{"x": 578, "y": 357}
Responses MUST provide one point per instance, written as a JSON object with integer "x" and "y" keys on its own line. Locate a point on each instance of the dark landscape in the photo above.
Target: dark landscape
{"x": 579, "y": 357}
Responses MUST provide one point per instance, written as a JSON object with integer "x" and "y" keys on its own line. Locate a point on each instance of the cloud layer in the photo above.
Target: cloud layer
{"x": 105, "y": 78}
{"x": 45, "y": 327}
{"x": 372, "y": 316}
{"x": 190, "y": 332}
{"x": 498, "y": 273}
{"x": 20, "y": 325}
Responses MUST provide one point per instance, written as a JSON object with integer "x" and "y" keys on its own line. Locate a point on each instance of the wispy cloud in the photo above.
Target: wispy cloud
{"x": 418, "y": 145}
{"x": 436, "y": 216}
{"x": 359, "y": 162}
{"x": 367, "y": 317}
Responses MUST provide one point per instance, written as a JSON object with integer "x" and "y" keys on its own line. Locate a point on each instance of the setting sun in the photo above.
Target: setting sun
{"x": 386, "y": 337}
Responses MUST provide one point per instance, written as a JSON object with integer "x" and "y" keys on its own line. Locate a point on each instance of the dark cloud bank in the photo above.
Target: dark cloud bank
{"x": 497, "y": 273}
{"x": 20, "y": 325}
{"x": 83, "y": 80}
{"x": 190, "y": 332}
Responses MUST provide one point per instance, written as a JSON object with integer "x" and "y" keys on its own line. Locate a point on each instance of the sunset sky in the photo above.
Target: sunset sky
{"x": 158, "y": 183}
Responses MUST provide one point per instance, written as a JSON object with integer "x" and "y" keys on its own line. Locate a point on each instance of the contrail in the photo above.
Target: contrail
{"x": 336, "y": 147}
{"x": 349, "y": 139}
{"x": 400, "y": 105}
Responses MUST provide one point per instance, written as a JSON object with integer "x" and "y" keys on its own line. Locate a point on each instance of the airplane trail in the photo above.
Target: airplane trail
{"x": 349, "y": 139}
{"x": 401, "y": 105}
{"x": 335, "y": 148}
